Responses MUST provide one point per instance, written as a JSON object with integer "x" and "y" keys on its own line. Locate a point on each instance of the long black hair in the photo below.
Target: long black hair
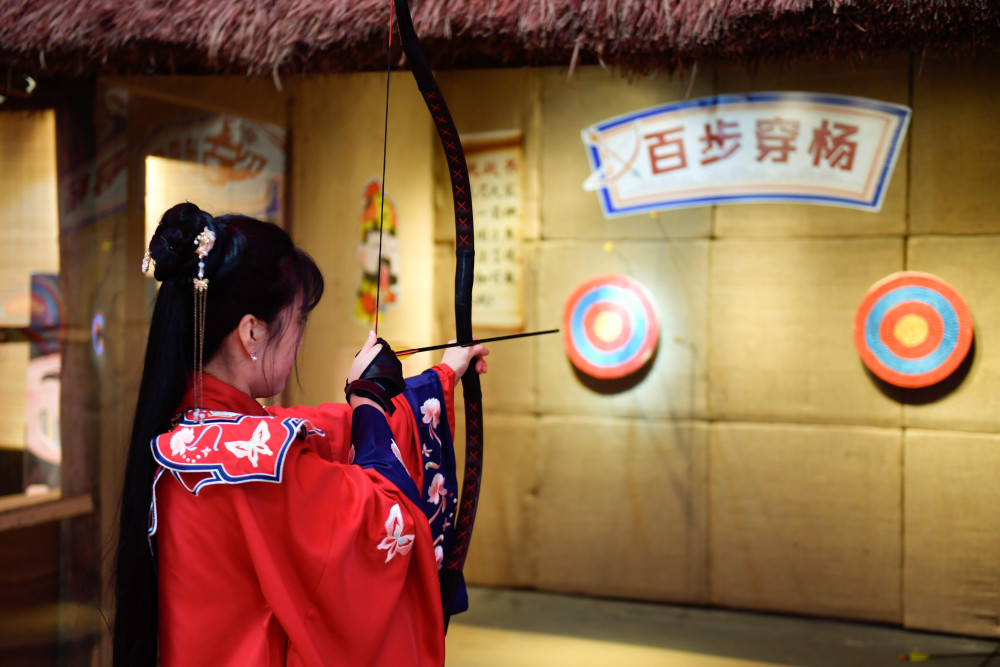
{"x": 253, "y": 268}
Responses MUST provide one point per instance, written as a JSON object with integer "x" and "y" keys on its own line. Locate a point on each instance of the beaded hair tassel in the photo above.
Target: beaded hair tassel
{"x": 204, "y": 243}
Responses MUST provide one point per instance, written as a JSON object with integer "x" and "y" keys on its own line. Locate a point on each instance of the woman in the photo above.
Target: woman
{"x": 296, "y": 536}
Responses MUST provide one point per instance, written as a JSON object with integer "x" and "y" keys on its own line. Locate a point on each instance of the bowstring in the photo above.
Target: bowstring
{"x": 385, "y": 145}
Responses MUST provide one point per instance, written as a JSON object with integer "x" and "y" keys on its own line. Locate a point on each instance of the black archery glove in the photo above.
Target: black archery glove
{"x": 381, "y": 380}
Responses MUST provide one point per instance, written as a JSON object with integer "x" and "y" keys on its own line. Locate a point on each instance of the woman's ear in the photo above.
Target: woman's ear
{"x": 253, "y": 335}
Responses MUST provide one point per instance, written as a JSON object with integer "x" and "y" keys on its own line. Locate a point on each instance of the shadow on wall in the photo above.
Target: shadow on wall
{"x": 616, "y": 385}
{"x": 925, "y": 395}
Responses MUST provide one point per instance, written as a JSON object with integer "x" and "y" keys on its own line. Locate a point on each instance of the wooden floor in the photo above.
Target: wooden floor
{"x": 506, "y": 628}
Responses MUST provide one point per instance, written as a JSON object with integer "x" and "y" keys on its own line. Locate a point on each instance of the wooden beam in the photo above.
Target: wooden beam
{"x": 22, "y": 511}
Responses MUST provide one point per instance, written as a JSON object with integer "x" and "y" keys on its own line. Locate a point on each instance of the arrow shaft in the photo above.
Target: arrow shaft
{"x": 474, "y": 342}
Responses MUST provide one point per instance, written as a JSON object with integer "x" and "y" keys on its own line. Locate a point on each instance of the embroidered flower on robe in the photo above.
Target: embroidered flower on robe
{"x": 398, "y": 454}
{"x": 394, "y": 541}
{"x": 250, "y": 449}
{"x": 436, "y": 491}
{"x": 431, "y": 410}
{"x": 439, "y": 555}
{"x": 180, "y": 440}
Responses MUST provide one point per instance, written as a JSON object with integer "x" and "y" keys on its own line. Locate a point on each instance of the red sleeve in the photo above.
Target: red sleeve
{"x": 334, "y": 419}
{"x": 334, "y": 565}
{"x": 346, "y": 563}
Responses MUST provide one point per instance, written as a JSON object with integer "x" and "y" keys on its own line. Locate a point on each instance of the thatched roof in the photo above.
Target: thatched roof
{"x": 288, "y": 37}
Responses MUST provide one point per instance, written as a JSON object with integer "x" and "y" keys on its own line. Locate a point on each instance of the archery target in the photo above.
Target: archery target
{"x": 912, "y": 329}
{"x": 609, "y": 327}
{"x": 97, "y": 333}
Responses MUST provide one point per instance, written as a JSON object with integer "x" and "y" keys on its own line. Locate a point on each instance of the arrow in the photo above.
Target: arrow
{"x": 475, "y": 342}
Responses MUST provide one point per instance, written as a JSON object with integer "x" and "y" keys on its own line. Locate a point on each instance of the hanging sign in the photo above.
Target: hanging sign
{"x": 912, "y": 329}
{"x": 496, "y": 166}
{"x": 609, "y": 327}
{"x": 801, "y": 148}
{"x": 222, "y": 162}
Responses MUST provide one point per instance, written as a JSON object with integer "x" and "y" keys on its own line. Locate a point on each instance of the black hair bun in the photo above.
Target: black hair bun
{"x": 173, "y": 244}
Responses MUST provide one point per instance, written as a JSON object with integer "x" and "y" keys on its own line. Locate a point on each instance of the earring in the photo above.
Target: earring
{"x": 253, "y": 356}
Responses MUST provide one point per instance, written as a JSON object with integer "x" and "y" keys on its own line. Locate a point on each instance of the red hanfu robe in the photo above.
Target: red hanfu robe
{"x": 293, "y": 536}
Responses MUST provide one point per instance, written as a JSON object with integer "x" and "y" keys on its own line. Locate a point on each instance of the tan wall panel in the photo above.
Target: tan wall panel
{"x": 334, "y": 155}
{"x": 885, "y": 81}
{"x": 13, "y": 393}
{"x": 969, "y": 264}
{"x": 951, "y": 573}
{"x": 674, "y": 274}
{"x": 954, "y": 147}
{"x": 593, "y": 95}
{"x": 806, "y": 519}
{"x": 502, "y": 552}
{"x": 621, "y": 508}
{"x": 781, "y": 330}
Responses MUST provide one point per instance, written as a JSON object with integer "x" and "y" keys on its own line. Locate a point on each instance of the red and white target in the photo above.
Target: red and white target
{"x": 609, "y": 327}
{"x": 913, "y": 329}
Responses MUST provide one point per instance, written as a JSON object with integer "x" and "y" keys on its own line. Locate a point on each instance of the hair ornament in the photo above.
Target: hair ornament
{"x": 204, "y": 243}
{"x": 146, "y": 259}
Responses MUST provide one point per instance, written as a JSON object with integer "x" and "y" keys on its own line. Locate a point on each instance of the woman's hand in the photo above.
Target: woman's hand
{"x": 459, "y": 358}
{"x": 364, "y": 357}
{"x": 375, "y": 374}
{"x": 361, "y": 361}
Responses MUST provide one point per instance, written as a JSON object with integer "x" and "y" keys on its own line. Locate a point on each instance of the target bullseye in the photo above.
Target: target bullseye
{"x": 610, "y": 329}
{"x": 608, "y": 325}
{"x": 913, "y": 329}
{"x": 910, "y": 330}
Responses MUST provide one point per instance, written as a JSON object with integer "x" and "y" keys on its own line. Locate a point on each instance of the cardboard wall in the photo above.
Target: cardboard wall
{"x": 950, "y": 574}
{"x": 756, "y": 464}
{"x": 806, "y": 519}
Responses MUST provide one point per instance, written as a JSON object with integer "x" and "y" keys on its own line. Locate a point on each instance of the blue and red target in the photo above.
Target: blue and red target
{"x": 913, "y": 329}
{"x": 609, "y": 327}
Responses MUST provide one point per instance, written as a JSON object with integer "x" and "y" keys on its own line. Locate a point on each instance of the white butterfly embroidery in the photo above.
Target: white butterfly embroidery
{"x": 395, "y": 542}
{"x": 249, "y": 449}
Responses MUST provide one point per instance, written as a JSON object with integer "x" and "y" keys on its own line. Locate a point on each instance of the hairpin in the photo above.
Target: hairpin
{"x": 204, "y": 243}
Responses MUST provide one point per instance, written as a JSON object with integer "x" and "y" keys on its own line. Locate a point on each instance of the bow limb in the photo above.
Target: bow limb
{"x": 454, "y": 561}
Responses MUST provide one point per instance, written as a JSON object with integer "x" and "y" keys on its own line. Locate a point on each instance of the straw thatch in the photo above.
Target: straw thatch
{"x": 287, "y": 37}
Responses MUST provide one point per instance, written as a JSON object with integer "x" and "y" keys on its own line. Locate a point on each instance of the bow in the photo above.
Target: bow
{"x": 454, "y": 560}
